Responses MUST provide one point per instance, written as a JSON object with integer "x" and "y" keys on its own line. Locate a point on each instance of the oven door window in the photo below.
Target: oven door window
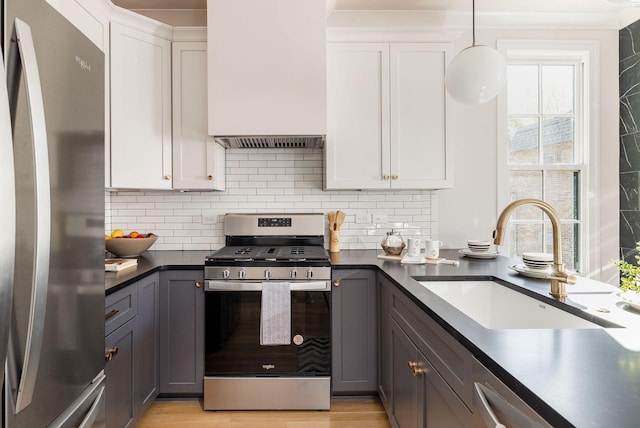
{"x": 233, "y": 336}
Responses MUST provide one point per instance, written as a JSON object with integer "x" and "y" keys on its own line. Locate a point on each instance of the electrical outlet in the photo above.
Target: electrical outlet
{"x": 379, "y": 218}
{"x": 363, "y": 218}
{"x": 209, "y": 217}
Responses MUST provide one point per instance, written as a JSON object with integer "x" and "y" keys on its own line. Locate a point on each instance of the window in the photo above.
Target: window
{"x": 544, "y": 152}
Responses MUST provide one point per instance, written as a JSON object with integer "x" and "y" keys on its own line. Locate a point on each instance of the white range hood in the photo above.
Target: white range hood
{"x": 267, "y": 72}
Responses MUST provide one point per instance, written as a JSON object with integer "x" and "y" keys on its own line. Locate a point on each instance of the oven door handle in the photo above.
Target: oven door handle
{"x": 257, "y": 286}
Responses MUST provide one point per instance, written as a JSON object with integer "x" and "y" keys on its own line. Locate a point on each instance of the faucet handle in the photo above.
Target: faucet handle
{"x": 564, "y": 277}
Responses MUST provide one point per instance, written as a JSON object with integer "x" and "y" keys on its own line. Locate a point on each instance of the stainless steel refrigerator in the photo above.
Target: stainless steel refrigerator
{"x": 51, "y": 221}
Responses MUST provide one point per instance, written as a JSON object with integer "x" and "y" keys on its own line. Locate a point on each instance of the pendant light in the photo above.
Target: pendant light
{"x": 477, "y": 74}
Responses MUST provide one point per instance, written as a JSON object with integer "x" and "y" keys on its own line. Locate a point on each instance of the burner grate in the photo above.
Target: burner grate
{"x": 243, "y": 251}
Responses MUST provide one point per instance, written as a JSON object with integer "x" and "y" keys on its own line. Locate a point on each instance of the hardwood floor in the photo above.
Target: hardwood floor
{"x": 361, "y": 412}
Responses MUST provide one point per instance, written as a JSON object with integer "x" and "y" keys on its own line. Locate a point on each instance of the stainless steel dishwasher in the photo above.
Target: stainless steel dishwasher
{"x": 496, "y": 406}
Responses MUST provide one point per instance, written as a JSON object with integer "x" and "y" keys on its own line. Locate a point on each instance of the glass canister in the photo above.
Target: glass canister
{"x": 393, "y": 244}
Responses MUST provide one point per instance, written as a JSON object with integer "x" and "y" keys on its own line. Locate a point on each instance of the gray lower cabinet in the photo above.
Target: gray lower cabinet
{"x": 182, "y": 333}
{"x": 354, "y": 332}
{"x": 425, "y": 374}
{"x": 119, "y": 371}
{"x": 132, "y": 343}
{"x": 384, "y": 338}
{"x": 421, "y": 397}
{"x": 148, "y": 340}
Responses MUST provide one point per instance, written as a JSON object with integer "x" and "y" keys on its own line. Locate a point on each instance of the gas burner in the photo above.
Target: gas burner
{"x": 243, "y": 251}
{"x": 270, "y": 247}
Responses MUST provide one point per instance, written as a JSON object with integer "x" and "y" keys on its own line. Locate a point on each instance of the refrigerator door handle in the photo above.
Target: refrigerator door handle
{"x": 7, "y": 219}
{"x": 40, "y": 285}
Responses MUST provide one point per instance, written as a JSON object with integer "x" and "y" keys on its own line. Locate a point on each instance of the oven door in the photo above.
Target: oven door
{"x": 232, "y": 331}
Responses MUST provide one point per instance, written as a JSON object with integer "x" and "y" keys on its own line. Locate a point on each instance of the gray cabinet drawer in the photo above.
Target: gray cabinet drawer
{"x": 450, "y": 358}
{"x": 120, "y": 307}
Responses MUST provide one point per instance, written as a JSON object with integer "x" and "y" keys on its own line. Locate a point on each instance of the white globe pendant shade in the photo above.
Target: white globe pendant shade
{"x": 476, "y": 75}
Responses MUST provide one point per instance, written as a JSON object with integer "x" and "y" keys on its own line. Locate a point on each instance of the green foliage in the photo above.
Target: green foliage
{"x": 629, "y": 273}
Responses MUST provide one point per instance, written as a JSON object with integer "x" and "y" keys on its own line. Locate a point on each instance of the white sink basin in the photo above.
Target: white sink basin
{"x": 495, "y": 306}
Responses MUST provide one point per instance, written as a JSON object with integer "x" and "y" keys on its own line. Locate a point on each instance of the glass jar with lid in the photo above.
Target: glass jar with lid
{"x": 393, "y": 244}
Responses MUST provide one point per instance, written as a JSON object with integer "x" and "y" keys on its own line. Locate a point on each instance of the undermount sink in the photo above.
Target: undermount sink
{"x": 495, "y": 306}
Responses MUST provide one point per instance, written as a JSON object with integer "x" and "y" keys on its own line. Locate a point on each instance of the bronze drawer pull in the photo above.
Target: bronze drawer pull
{"x": 111, "y": 313}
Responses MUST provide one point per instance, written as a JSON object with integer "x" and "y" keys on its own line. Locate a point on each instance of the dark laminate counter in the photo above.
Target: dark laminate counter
{"x": 581, "y": 377}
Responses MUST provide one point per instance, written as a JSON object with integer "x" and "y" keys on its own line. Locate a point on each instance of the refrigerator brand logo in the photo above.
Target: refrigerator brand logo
{"x": 84, "y": 65}
{"x": 268, "y": 366}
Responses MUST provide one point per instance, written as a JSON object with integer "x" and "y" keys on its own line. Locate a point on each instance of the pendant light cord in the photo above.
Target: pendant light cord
{"x": 473, "y": 22}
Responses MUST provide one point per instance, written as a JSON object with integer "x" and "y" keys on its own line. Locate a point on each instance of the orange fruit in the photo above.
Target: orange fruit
{"x": 107, "y": 237}
{"x": 133, "y": 234}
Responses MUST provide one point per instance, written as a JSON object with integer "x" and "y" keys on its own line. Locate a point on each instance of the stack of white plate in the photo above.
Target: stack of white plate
{"x": 478, "y": 246}
{"x": 537, "y": 261}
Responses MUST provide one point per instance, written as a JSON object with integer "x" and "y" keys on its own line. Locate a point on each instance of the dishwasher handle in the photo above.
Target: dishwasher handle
{"x": 487, "y": 413}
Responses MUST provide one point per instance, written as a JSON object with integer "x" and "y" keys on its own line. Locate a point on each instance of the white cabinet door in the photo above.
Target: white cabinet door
{"x": 387, "y": 116}
{"x": 420, "y": 156}
{"x": 140, "y": 109}
{"x": 357, "y": 147}
{"x": 198, "y": 161}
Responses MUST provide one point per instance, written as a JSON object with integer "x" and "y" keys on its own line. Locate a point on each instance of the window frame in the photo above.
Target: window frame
{"x": 584, "y": 54}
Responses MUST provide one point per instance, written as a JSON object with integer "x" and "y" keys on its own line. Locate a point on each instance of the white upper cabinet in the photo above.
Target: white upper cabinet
{"x": 140, "y": 109}
{"x": 357, "y": 147}
{"x": 387, "y": 116}
{"x": 198, "y": 161}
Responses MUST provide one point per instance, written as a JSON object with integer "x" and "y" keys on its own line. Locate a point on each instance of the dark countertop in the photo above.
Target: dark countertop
{"x": 572, "y": 377}
{"x": 153, "y": 261}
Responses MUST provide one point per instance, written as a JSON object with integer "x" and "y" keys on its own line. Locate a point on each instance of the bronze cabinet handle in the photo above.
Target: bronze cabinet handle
{"x": 111, "y": 352}
{"x": 111, "y": 313}
{"x": 416, "y": 370}
{"x": 336, "y": 283}
{"x": 198, "y": 284}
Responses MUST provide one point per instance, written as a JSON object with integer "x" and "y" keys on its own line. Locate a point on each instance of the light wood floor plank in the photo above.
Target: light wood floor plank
{"x": 366, "y": 412}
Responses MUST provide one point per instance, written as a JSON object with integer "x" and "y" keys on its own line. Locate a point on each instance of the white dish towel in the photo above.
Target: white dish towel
{"x": 275, "y": 314}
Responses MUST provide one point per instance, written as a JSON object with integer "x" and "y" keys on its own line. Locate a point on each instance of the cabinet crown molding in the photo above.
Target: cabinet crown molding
{"x": 392, "y": 35}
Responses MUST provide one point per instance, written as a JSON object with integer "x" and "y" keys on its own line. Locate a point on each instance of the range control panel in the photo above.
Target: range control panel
{"x": 274, "y": 222}
{"x": 271, "y": 224}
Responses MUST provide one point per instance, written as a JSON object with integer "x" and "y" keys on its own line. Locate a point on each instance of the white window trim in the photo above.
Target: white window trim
{"x": 589, "y": 51}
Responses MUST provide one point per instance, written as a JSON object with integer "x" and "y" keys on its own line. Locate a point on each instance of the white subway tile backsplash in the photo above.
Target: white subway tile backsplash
{"x": 268, "y": 180}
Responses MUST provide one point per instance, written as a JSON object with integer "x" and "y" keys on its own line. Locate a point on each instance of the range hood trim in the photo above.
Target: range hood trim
{"x": 271, "y": 141}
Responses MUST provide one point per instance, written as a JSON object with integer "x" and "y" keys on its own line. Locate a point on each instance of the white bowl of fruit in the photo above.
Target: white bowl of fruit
{"x": 128, "y": 245}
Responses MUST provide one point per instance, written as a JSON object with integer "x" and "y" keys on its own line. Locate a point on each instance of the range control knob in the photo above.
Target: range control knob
{"x": 242, "y": 274}
{"x": 309, "y": 273}
{"x": 267, "y": 274}
{"x": 226, "y": 273}
{"x": 293, "y": 274}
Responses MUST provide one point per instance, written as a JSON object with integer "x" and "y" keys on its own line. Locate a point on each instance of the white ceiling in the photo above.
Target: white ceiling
{"x": 493, "y": 6}
{"x": 491, "y": 13}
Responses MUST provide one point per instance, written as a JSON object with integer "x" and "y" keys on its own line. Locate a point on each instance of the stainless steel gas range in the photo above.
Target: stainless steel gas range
{"x": 268, "y": 315}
